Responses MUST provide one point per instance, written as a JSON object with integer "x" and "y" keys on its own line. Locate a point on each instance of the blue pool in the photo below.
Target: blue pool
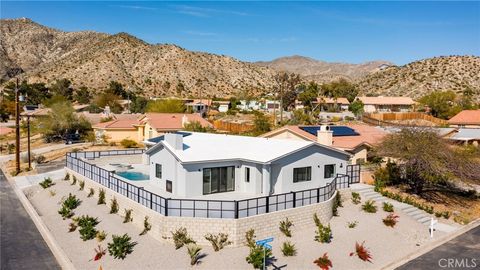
{"x": 134, "y": 176}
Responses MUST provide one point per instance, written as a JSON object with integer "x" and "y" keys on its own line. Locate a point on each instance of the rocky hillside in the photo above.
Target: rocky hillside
{"x": 93, "y": 59}
{"x": 422, "y": 77}
{"x": 321, "y": 71}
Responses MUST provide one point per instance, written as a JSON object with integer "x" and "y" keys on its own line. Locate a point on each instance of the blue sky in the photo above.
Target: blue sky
{"x": 354, "y": 32}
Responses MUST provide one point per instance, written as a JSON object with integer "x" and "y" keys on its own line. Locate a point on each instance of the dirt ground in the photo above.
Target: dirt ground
{"x": 386, "y": 244}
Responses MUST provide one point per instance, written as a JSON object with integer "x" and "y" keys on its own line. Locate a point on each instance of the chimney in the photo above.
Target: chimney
{"x": 325, "y": 135}
{"x": 184, "y": 120}
{"x": 174, "y": 140}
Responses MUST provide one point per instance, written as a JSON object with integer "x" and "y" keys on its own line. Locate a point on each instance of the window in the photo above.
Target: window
{"x": 158, "y": 170}
{"x": 302, "y": 174}
{"x": 220, "y": 179}
{"x": 329, "y": 171}
{"x": 168, "y": 186}
{"x": 247, "y": 174}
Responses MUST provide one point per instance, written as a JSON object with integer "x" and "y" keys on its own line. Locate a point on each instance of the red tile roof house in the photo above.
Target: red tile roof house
{"x": 147, "y": 126}
{"x": 387, "y": 104}
{"x": 466, "y": 118}
{"x": 357, "y": 145}
{"x": 329, "y": 104}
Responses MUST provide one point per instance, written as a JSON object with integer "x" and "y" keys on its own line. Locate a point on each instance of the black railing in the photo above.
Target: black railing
{"x": 193, "y": 207}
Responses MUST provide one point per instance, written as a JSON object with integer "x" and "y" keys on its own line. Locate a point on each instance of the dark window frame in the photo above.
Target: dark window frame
{"x": 332, "y": 173}
{"x": 302, "y": 176}
{"x": 247, "y": 174}
{"x": 168, "y": 186}
{"x": 158, "y": 172}
{"x": 219, "y": 181}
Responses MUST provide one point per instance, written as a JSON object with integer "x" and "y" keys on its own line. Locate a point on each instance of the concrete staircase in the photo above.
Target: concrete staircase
{"x": 367, "y": 192}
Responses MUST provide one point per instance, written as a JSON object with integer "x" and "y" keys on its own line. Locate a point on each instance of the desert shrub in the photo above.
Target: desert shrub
{"x": 128, "y": 216}
{"x": 65, "y": 212}
{"x": 99, "y": 253}
{"x": 218, "y": 241}
{"x": 101, "y": 235}
{"x": 356, "y": 198}
{"x": 72, "y": 226}
{"x": 46, "y": 183}
{"x": 81, "y": 184}
{"x": 194, "y": 253}
{"x": 390, "y": 220}
{"x": 446, "y": 214}
{"x": 362, "y": 252}
{"x": 91, "y": 192}
{"x": 438, "y": 214}
{"x": 121, "y": 246}
{"x": 250, "y": 238}
{"x": 285, "y": 227}
{"x": 288, "y": 249}
{"x": 387, "y": 207}
{"x": 256, "y": 256}
{"x": 146, "y": 226}
{"x": 336, "y": 203}
{"x": 67, "y": 177}
{"x": 84, "y": 220}
{"x": 114, "y": 206}
{"x": 352, "y": 224}
{"x": 128, "y": 143}
{"x": 101, "y": 196}
{"x": 52, "y": 192}
{"x": 71, "y": 201}
{"x": 369, "y": 207}
{"x": 181, "y": 238}
{"x": 40, "y": 159}
{"x": 87, "y": 232}
{"x": 323, "y": 262}
{"x": 323, "y": 234}
{"x": 74, "y": 181}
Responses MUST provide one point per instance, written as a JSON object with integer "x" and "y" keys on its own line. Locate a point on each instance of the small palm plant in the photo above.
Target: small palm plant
{"x": 285, "y": 226}
{"x": 369, "y": 207}
{"x": 288, "y": 249}
{"x": 387, "y": 207}
{"x": 114, "y": 206}
{"x": 121, "y": 246}
{"x": 194, "y": 253}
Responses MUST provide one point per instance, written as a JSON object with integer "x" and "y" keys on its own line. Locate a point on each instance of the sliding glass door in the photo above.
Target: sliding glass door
{"x": 220, "y": 179}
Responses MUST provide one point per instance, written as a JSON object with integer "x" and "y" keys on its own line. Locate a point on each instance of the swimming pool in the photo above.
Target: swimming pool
{"x": 134, "y": 176}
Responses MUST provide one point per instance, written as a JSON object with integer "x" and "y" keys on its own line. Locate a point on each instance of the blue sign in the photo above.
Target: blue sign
{"x": 264, "y": 241}
{"x": 267, "y": 246}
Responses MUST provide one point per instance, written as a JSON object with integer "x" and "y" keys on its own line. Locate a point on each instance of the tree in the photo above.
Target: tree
{"x": 138, "y": 105}
{"x": 195, "y": 126}
{"x": 83, "y": 95}
{"x": 109, "y": 99}
{"x": 308, "y": 93}
{"x": 166, "y": 106}
{"x": 301, "y": 118}
{"x": 262, "y": 124}
{"x": 427, "y": 159}
{"x": 116, "y": 88}
{"x": 441, "y": 104}
{"x": 356, "y": 107}
{"x": 62, "y": 87}
{"x": 340, "y": 88}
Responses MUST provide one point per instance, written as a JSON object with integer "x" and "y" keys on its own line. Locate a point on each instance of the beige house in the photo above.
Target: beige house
{"x": 146, "y": 126}
{"x": 332, "y": 104}
{"x": 387, "y": 104}
{"x": 355, "y": 139}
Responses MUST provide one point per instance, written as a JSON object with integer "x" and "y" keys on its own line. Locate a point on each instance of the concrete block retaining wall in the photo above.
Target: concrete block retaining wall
{"x": 265, "y": 225}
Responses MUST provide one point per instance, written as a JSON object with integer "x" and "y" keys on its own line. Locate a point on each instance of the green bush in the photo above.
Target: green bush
{"x": 285, "y": 226}
{"x": 146, "y": 226}
{"x": 121, "y": 246}
{"x": 323, "y": 234}
{"x": 356, "y": 198}
{"x": 91, "y": 192}
{"x": 87, "y": 232}
{"x": 352, "y": 224}
{"x": 128, "y": 143}
{"x": 65, "y": 212}
{"x": 86, "y": 220}
{"x": 114, "y": 206}
{"x": 81, "y": 184}
{"x": 256, "y": 256}
{"x": 387, "y": 207}
{"x": 288, "y": 249}
{"x": 250, "y": 238}
{"x": 128, "y": 216}
{"x": 446, "y": 214}
{"x": 74, "y": 181}
{"x": 71, "y": 201}
{"x": 336, "y": 203}
{"x": 101, "y": 196}
{"x": 218, "y": 241}
{"x": 46, "y": 183}
{"x": 181, "y": 238}
{"x": 369, "y": 207}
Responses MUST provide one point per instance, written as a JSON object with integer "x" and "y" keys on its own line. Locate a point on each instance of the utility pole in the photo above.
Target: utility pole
{"x": 17, "y": 129}
{"x": 28, "y": 140}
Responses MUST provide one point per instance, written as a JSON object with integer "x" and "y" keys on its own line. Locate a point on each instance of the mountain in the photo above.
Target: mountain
{"x": 93, "y": 59}
{"x": 418, "y": 78}
{"x": 320, "y": 71}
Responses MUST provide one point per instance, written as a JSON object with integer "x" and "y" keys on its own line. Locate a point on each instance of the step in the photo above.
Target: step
{"x": 374, "y": 197}
{"x": 424, "y": 220}
{"x": 360, "y": 189}
{"x": 381, "y": 200}
{"x": 409, "y": 209}
{"x": 370, "y": 193}
{"x": 413, "y": 213}
{"x": 419, "y": 215}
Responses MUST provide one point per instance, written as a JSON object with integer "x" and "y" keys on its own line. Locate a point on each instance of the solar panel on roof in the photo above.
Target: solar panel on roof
{"x": 337, "y": 130}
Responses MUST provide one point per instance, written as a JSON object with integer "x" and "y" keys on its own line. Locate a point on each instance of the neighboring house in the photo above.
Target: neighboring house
{"x": 355, "y": 139}
{"x": 271, "y": 105}
{"x": 387, "y": 104}
{"x": 299, "y": 105}
{"x": 200, "y": 106}
{"x": 117, "y": 130}
{"x": 249, "y": 105}
{"x": 197, "y": 164}
{"x": 466, "y": 136}
{"x": 332, "y": 104}
{"x": 223, "y": 106}
{"x": 466, "y": 118}
{"x": 155, "y": 124}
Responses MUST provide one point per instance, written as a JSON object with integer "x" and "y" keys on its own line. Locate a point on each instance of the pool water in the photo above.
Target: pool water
{"x": 134, "y": 176}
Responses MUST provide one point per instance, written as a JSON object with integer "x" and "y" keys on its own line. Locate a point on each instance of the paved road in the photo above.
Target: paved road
{"x": 462, "y": 252}
{"x": 21, "y": 245}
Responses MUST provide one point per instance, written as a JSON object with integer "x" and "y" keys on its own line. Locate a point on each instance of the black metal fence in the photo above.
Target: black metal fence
{"x": 77, "y": 161}
{"x": 353, "y": 171}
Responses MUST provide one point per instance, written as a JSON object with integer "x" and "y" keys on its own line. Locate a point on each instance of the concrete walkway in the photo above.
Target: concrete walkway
{"x": 367, "y": 192}
{"x": 462, "y": 252}
{"x": 30, "y": 180}
{"x": 22, "y": 246}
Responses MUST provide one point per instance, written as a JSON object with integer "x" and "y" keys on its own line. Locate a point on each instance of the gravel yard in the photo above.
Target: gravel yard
{"x": 386, "y": 244}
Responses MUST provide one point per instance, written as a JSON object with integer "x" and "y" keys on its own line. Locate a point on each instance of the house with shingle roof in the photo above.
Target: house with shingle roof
{"x": 466, "y": 118}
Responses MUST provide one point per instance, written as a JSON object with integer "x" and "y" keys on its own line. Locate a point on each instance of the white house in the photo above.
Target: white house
{"x": 249, "y": 105}
{"x": 196, "y": 164}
